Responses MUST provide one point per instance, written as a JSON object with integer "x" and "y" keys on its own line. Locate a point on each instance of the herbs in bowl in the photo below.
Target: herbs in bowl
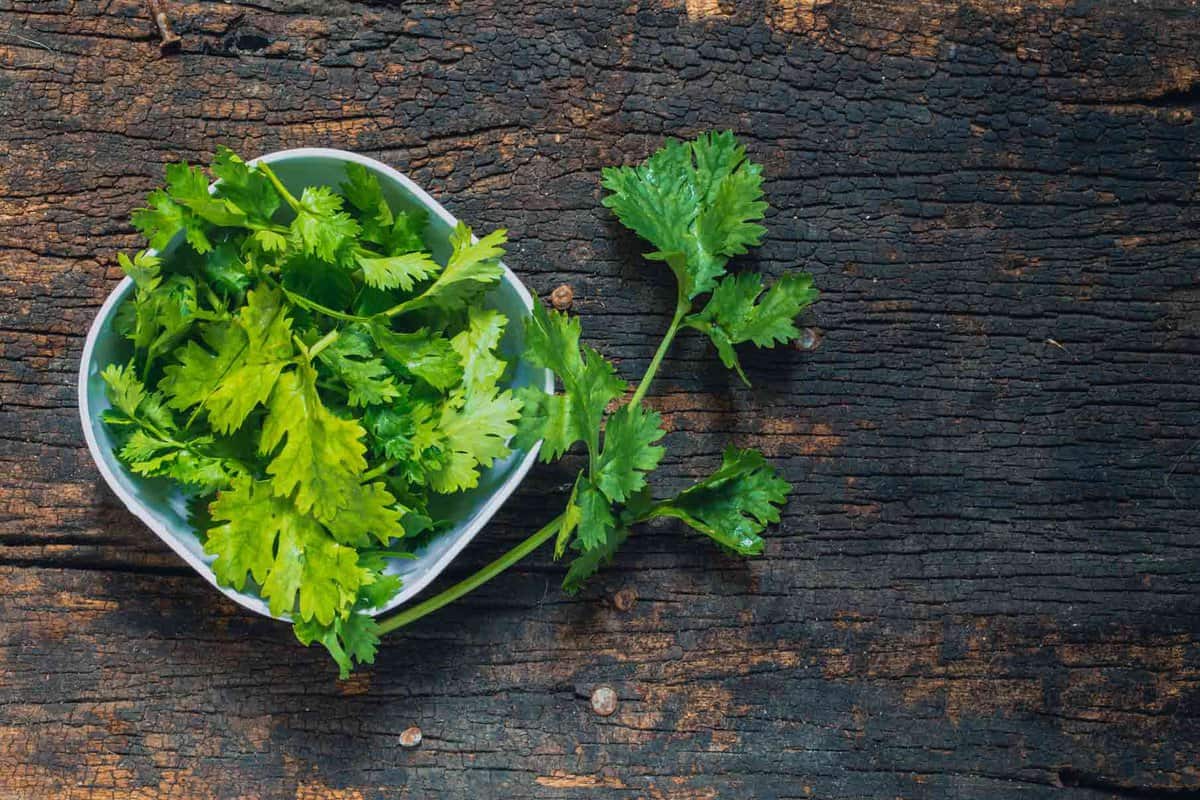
{"x": 317, "y": 377}
{"x": 311, "y": 379}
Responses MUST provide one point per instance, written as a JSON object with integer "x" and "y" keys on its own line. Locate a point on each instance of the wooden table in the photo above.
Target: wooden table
{"x": 985, "y": 584}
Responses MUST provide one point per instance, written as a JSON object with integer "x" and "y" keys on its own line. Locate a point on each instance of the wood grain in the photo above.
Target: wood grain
{"x": 985, "y": 584}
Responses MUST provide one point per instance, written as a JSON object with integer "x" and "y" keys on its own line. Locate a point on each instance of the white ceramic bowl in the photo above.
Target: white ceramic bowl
{"x": 155, "y": 502}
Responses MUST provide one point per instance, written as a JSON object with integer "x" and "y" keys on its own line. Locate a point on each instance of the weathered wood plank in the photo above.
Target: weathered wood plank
{"x": 986, "y": 581}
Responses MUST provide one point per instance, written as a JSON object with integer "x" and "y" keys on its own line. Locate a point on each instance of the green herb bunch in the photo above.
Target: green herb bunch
{"x": 306, "y": 370}
{"x": 698, "y": 203}
{"x": 320, "y": 381}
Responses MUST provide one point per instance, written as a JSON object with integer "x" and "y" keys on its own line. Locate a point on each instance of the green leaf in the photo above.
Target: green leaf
{"x": 321, "y": 228}
{"x": 352, "y": 360}
{"x": 321, "y": 458}
{"x": 427, "y": 356}
{"x": 225, "y": 269}
{"x": 476, "y": 430}
{"x": 596, "y": 520}
{"x": 163, "y": 218}
{"x": 397, "y": 272}
{"x": 154, "y": 455}
{"x": 188, "y": 186}
{"x": 629, "y": 451}
{"x": 313, "y": 279}
{"x": 270, "y": 241}
{"x": 697, "y": 202}
{"x": 300, "y": 568}
{"x": 373, "y": 513}
{"x": 239, "y": 364}
{"x": 244, "y": 186}
{"x": 739, "y": 311}
{"x": 349, "y": 640}
{"x": 123, "y": 388}
{"x": 408, "y": 434}
{"x": 589, "y": 562}
{"x": 733, "y": 505}
{"x": 548, "y": 417}
{"x": 571, "y": 517}
{"x": 363, "y": 191}
{"x": 476, "y": 346}
{"x": 143, "y": 268}
{"x": 163, "y": 315}
{"x": 473, "y": 267}
{"x": 589, "y": 382}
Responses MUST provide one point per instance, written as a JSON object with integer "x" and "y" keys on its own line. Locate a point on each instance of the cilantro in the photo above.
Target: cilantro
{"x": 739, "y": 311}
{"x": 267, "y": 380}
{"x": 699, "y": 204}
{"x": 312, "y": 378}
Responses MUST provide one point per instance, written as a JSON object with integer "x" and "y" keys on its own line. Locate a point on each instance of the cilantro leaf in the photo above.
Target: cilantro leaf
{"x": 733, "y": 505}
{"x": 351, "y": 639}
{"x": 238, "y": 364}
{"x": 321, "y": 458}
{"x": 244, "y": 186}
{"x": 392, "y": 272}
{"x": 422, "y": 354}
{"x": 596, "y": 520}
{"x": 629, "y": 451}
{"x": 473, "y": 267}
{"x": 589, "y": 382}
{"x": 476, "y": 430}
{"x": 352, "y": 360}
{"x": 410, "y": 436}
{"x": 476, "y": 347}
{"x": 225, "y": 268}
{"x": 163, "y": 218}
{"x": 155, "y": 454}
{"x": 550, "y": 418}
{"x": 589, "y": 562}
{"x": 739, "y": 311}
{"x": 143, "y": 268}
{"x": 289, "y": 554}
{"x": 376, "y": 514}
{"x": 697, "y": 202}
{"x": 321, "y": 227}
{"x": 189, "y": 186}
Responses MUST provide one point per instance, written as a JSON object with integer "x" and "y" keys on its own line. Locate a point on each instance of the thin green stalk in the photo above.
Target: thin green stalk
{"x": 322, "y": 343}
{"x": 400, "y": 308}
{"x": 288, "y": 197}
{"x": 682, "y": 307}
{"x": 312, "y": 305}
{"x": 381, "y": 469}
{"x": 410, "y": 615}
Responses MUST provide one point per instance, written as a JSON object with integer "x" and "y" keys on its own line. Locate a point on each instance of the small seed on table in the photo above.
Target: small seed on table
{"x": 624, "y": 599}
{"x": 809, "y": 339}
{"x": 604, "y": 701}
{"x": 411, "y": 737}
{"x": 562, "y": 297}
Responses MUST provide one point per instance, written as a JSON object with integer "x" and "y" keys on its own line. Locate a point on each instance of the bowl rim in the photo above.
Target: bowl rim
{"x": 476, "y": 523}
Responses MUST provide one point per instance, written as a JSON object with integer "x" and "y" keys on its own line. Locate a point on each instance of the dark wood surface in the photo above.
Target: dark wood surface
{"x": 986, "y": 582}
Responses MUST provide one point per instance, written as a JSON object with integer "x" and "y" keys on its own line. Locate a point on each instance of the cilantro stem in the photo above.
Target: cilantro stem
{"x": 312, "y": 305}
{"x": 322, "y": 343}
{"x": 400, "y": 308}
{"x": 381, "y": 469}
{"x": 410, "y": 615}
{"x": 279, "y": 187}
{"x": 682, "y": 307}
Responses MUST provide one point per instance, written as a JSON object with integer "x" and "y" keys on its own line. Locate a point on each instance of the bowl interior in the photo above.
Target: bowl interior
{"x": 162, "y": 507}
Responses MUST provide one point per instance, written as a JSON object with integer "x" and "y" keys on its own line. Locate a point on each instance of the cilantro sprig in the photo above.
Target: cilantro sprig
{"x": 699, "y": 204}
{"x": 303, "y": 368}
{"x": 306, "y": 369}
